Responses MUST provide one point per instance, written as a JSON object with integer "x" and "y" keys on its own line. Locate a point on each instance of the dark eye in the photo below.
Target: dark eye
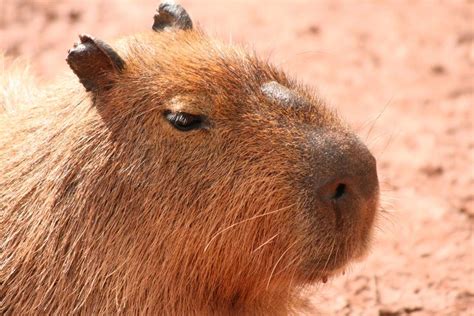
{"x": 184, "y": 121}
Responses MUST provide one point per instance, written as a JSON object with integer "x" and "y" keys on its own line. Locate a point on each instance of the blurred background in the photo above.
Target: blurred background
{"x": 400, "y": 72}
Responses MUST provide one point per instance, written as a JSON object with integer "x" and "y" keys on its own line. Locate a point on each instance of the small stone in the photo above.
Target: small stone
{"x": 432, "y": 171}
{"x": 438, "y": 69}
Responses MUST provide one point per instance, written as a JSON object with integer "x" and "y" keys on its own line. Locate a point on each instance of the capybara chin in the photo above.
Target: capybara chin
{"x": 173, "y": 174}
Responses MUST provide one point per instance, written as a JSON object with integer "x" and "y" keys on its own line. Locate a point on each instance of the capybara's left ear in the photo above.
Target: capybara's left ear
{"x": 94, "y": 62}
{"x": 171, "y": 16}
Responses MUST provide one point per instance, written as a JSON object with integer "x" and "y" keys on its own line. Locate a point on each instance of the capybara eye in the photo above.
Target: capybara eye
{"x": 184, "y": 121}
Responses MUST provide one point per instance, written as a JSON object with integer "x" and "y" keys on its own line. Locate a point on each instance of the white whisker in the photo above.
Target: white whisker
{"x": 242, "y": 222}
{"x": 265, "y": 243}
{"x": 278, "y": 261}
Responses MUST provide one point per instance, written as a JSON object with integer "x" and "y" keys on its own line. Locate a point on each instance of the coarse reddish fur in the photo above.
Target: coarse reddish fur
{"x": 106, "y": 208}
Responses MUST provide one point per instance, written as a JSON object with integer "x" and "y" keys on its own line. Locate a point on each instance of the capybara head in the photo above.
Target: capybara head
{"x": 180, "y": 175}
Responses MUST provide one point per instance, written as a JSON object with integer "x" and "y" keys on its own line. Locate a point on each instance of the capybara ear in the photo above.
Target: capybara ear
{"x": 94, "y": 61}
{"x": 171, "y": 16}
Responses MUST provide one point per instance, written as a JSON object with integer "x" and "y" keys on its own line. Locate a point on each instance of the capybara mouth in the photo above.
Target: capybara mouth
{"x": 347, "y": 240}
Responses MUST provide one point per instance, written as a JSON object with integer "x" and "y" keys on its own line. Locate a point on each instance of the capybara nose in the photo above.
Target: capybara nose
{"x": 353, "y": 187}
{"x": 349, "y": 184}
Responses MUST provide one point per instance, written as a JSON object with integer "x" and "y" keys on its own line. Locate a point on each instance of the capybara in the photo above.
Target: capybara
{"x": 173, "y": 174}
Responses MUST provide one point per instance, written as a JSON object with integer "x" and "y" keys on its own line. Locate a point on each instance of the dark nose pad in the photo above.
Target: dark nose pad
{"x": 346, "y": 176}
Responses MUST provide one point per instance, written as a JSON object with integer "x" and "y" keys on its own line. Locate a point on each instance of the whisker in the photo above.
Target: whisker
{"x": 330, "y": 254}
{"x": 288, "y": 265}
{"x": 374, "y": 121}
{"x": 244, "y": 221}
{"x": 278, "y": 261}
{"x": 389, "y": 141}
{"x": 337, "y": 253}
{"x": 291, "y": 284}
{"x": 319, "y": 250}
{"x": 265, "y": 243}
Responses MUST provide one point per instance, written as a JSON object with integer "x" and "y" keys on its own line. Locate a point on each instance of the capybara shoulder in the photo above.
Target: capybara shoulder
{"x": 171, "y": 173}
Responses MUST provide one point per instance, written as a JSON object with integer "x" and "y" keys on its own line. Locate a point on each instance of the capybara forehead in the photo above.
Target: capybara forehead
{"x": 195, "y": 60}
{"x": 190, "y": 63}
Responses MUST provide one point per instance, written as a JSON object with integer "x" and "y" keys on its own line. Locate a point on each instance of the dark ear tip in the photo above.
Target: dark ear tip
{"x": 76, "y": 48}
{"x": 171, "y": 15}
{"x": 86, "y": 38}
{"x": 80, "y": 46}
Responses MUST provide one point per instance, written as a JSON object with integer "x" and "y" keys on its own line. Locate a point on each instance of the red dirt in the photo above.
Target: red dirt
{"x": 402, "y": 73}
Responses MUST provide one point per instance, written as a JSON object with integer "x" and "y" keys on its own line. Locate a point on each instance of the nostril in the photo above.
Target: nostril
{"x": 334, "y": 190}
{"x": 340, "y": 191}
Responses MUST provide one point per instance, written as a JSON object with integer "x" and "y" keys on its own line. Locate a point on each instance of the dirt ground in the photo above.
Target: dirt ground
{"x": 401, "y": 72}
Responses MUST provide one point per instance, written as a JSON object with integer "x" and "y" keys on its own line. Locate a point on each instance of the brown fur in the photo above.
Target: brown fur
{"x": 106, "y": 208}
